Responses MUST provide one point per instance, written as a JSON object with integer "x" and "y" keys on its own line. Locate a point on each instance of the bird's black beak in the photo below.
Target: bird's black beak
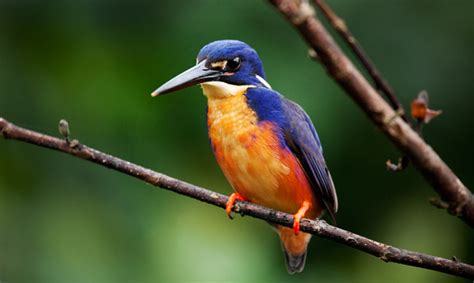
{"x": 195, "y": 75}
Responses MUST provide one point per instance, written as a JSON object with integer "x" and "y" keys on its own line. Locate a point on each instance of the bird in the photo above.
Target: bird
{"x": 265, "y": 144}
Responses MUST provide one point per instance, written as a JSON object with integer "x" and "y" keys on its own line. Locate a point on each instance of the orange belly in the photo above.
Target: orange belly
{"x": 253, "y": 160}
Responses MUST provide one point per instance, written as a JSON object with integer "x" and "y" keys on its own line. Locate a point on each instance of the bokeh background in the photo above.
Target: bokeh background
{"x": 94, "y": 63}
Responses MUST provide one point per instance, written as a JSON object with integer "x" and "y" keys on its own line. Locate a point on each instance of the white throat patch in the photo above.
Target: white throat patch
{"x": 222, "y": 89}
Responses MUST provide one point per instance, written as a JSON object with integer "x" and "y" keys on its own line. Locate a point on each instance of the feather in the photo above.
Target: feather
{"x": 303, "y": 140}
{"x": 299, "y": 135}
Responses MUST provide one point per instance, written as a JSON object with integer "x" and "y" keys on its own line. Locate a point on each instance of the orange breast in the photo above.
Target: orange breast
{"x": 253, "y": 160}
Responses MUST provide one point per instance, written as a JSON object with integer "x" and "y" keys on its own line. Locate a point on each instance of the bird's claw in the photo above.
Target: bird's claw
{"x": 230, "y": 203}
{"x": 298, "y": 216}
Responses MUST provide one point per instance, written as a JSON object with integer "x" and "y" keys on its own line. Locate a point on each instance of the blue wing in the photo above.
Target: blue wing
{"x": 303, "y": 141}
{"x": 299, "y": 135}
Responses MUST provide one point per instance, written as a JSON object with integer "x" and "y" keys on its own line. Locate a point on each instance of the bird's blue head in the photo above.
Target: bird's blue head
{"x": 230, "y": 61}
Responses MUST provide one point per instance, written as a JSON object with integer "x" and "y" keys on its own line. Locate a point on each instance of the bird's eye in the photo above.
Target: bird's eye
{"x": 233, "y": 65}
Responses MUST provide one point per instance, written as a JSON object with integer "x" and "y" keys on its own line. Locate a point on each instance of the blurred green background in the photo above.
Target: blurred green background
{"x": 95, "y": 63}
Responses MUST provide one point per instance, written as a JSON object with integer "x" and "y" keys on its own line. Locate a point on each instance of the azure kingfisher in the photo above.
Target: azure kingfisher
{"x": 265, "y": 144}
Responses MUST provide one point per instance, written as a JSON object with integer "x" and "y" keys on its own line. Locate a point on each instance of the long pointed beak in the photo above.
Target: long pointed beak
{"x": 190, "y": 77}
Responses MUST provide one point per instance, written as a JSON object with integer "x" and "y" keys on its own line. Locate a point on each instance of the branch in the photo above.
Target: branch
{"x": 452, "y": 191}
{"x": 316, "y": 227}
{"x": 380, "y": 83}
{"x": 341, "y": 27}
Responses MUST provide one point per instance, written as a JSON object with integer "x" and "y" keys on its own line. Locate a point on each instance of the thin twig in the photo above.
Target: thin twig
{"x": 460, "y": 200}
{"x": 380, "y": 82}
{"x": 317, "y": 227}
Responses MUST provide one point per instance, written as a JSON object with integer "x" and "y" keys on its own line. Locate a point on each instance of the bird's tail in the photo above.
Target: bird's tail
{"x": 294, "y": 248}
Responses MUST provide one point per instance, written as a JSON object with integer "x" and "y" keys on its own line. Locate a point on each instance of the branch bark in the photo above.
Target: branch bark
{"x": 458, "y": 197}
{"x": 316, "y": 227}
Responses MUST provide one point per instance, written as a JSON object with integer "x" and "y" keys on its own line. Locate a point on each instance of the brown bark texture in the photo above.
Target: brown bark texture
{"x": 450, "y": 188}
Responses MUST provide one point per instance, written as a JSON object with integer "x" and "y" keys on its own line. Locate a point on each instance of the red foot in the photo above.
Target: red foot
{"x": 297, "y": 217}
{"x": 230, "y": 203}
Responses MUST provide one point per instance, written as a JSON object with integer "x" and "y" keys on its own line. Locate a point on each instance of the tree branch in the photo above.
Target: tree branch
{"x": 340, "y": 26}
{"x": 380, "y": 83}
{"x": 316, "y": 227}
{"x": 458, "y": 197}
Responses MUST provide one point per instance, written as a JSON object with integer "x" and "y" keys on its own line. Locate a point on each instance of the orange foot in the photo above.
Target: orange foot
{"x": 230, "y": 203}
{"x": 297, "y": 217}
